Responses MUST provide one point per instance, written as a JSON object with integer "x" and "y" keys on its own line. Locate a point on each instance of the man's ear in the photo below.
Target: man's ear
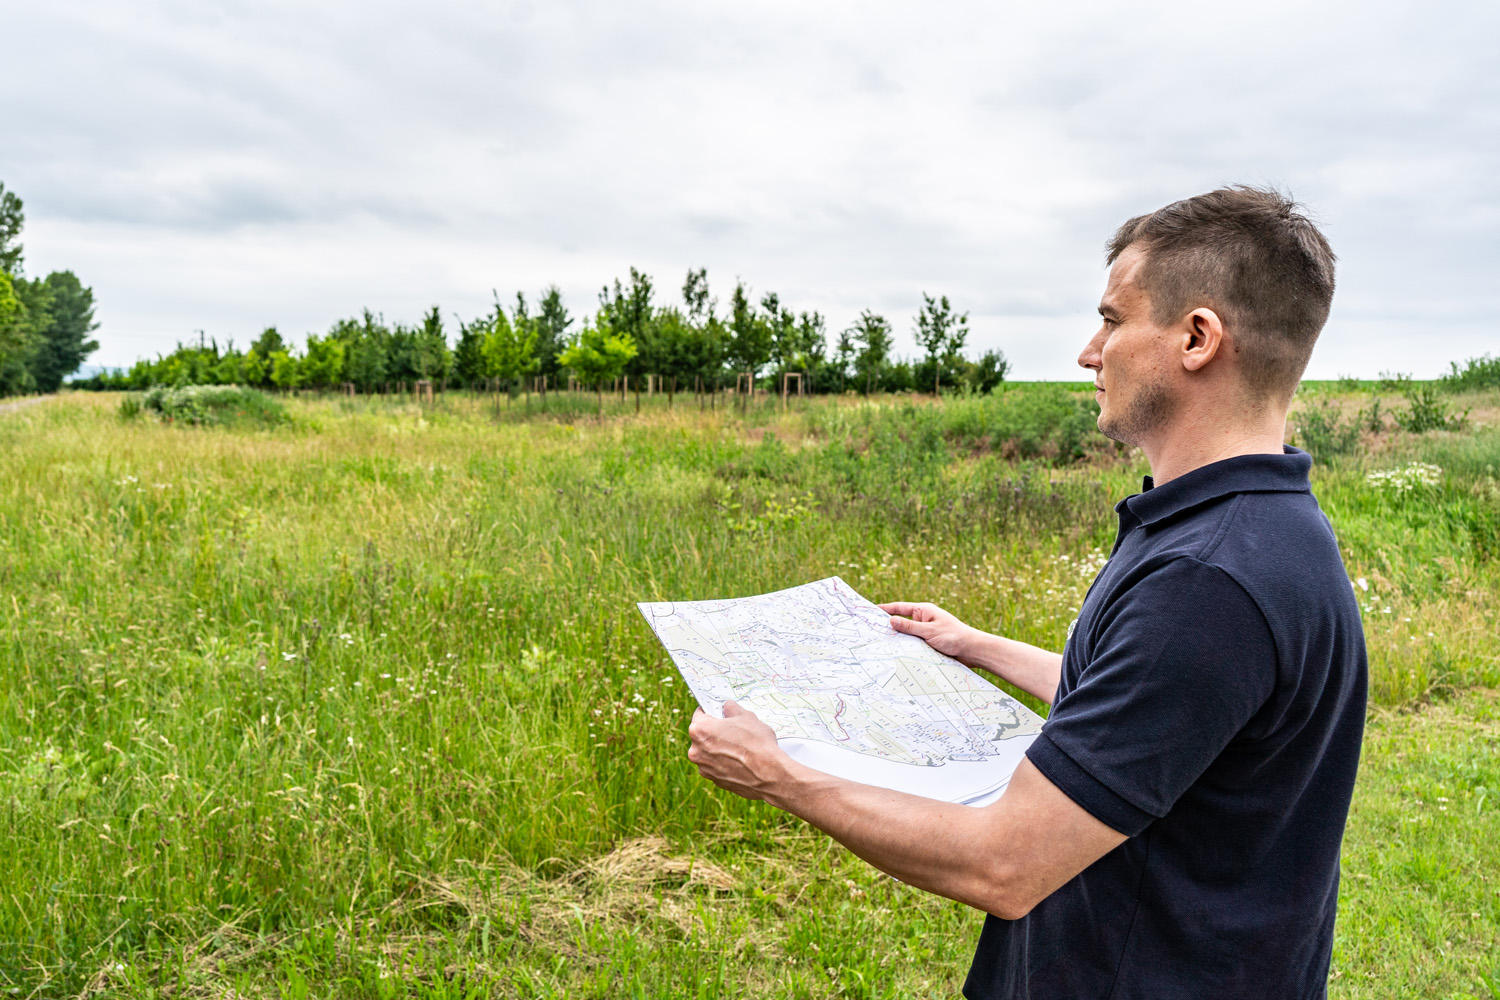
{"x": 1202, "y": 337}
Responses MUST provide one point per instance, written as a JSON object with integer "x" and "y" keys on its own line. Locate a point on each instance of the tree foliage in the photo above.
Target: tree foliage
{"x": 750, "y": 335}
{"x": 632, "y": 332}
{"x": 598, "y": 355}
{"x": 12, "y": 220}
{"x": 509, "y": 344}
{"x": 44, "y": 322}
{"x": 872, "y": 332}
{"x": 942, "y": 335}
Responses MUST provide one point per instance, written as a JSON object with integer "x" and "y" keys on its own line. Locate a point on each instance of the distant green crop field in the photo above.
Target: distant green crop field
{"x": 353, "y": 700}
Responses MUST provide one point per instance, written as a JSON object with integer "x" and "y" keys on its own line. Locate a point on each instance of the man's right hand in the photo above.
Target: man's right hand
{"x": 1035, "y": 671}
{"x": 939, "y": 629}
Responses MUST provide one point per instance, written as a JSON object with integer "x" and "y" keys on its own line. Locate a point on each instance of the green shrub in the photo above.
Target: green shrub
{"x": 1428, "y": 412}
{"x": 1477, "y": 373}
{"x": 1323, "y": 433}
{"x": 213, "y": 405}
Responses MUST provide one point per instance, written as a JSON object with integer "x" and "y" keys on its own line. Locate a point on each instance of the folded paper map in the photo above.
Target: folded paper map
{"x": 847, "y": 694}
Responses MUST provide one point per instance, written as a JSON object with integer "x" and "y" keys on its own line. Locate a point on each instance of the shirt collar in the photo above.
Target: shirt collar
{"x": 1284, "y": 473}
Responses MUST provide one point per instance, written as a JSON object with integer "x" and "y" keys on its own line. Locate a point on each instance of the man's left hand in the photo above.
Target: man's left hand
{"x": 738, "y": 752}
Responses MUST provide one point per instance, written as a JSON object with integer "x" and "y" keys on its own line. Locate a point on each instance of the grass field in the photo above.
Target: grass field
{"x": 357, "y": 703}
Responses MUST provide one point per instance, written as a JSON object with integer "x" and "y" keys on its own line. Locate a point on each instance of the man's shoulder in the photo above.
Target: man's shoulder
{"x": 1276, "y": 546}
{"x": 1276, "y": 540}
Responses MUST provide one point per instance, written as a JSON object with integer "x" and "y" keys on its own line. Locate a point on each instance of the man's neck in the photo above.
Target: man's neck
{"x": 1189, "y": 444}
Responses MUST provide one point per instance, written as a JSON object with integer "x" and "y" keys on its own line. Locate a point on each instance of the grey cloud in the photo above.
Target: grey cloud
{"x": 391, "y": 155}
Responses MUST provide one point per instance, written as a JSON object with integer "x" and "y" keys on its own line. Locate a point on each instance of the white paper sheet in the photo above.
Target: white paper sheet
{"x": 846, "y": 693}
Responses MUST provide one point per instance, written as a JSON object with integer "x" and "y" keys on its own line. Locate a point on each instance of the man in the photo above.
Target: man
{"x": 1175, "y": 829}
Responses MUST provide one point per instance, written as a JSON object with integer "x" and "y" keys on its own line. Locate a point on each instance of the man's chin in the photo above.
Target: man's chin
{"x": 1115, "y": 433}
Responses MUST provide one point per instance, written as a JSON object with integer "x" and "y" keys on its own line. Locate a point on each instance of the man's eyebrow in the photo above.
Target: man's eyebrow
{"x": 1108, "y": 312}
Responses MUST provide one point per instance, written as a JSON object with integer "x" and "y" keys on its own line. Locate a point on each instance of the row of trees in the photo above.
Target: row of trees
{"x": 691, "y": 344}
{"x": 44, "y": 322}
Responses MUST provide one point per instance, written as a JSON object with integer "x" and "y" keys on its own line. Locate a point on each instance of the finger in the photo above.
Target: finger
{"x": 904, "y": 608}
{"x": 732, "y": 709}
{"x": 912, "y": 627}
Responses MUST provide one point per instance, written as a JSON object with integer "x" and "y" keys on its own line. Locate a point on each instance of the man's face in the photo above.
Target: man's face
{"x": 1131, "y": 358}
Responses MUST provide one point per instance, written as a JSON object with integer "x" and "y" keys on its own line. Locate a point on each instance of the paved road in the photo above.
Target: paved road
{"x": 22, "y": 403}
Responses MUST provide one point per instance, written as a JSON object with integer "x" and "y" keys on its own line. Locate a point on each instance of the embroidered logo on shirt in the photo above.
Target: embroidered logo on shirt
{"x": 1071, "y": 626}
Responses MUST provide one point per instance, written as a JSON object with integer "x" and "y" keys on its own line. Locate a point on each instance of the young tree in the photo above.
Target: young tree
{"x": 941, "y": 334}
{"x": 15, "y": 339}
{"x": 628, "y": 310}
{"x": 12, "y": 221}
{"x": 322, "y": 367}
{"x": 707, "y": 345}
{"x": 749, "y": 334}
{"x": 598, "y": 355}
{"x": 989, "y": 371}
{"x": 843, "y": 358}
{"x": 433, "y": 360}
{"x": 809, "y": 353}
{"x": 509, "y": 348}
{"x": 676, "y": 348}
{"x": 44, "y": 323}
{"x": 268, "y": 343}
{"x": 468, "y": 356}
{"x": 253, "y": 370}
{"x": 230, "y": 369}
{"x": 552, "y": 322}
{"x": 401, "y": 354}
{"x": 286, "y": 373}
{"x": 700, "y": 305}
{"x": 781, "y": 322}
{"x": 367, "y": 351}
{"x": 61, "y": 336}
{"x": 872, "y": 332}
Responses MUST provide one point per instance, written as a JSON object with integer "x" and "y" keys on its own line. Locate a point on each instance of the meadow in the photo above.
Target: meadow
{"x": 348, "y": 697}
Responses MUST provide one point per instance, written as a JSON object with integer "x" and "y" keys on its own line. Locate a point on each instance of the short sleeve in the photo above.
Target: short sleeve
{"x": 1175, "y": 667}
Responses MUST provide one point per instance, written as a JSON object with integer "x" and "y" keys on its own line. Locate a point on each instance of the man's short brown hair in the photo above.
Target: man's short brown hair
{"x": 1252, "y": 256}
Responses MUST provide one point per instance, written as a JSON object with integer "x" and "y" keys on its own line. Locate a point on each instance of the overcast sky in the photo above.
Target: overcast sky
{"x": 228, "y": 166}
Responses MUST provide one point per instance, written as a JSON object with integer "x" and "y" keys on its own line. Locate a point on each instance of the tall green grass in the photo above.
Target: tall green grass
{"x": 363, "y": 695}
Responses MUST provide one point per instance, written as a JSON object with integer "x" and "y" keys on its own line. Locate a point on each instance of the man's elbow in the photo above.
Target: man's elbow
{"x": 1010, "y": 906}
{"x": 1007, "y": 895}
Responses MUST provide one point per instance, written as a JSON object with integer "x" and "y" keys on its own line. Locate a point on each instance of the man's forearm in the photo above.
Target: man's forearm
{"x": 1003, "y": 859}
{"x": 937, "y": 846}
{"x": 1034, "y": 670}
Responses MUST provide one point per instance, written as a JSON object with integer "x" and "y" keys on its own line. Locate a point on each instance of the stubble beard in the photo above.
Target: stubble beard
{"x": 1144, "y": 413}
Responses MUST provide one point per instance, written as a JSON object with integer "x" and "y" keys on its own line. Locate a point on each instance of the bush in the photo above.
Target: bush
{"x": 1477, "y": 373}
{"x": 1428, "y": 412}
{"x": 1046, "y": 422}
{"x": 1324, "y": 434}
{"x": 202, "y": 405}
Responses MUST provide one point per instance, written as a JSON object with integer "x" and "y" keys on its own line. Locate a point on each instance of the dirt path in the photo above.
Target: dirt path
{"x": 23, "y": 403}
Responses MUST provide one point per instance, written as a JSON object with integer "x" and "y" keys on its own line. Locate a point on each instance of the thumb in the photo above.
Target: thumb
{"x": 732, "y": 708}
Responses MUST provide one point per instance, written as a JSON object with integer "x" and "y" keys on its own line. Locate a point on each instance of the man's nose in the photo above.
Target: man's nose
{"x": 1092, "y": 355}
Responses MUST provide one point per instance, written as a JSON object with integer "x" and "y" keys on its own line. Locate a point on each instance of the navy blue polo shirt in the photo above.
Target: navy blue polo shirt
{"x": 1211, "y": 708}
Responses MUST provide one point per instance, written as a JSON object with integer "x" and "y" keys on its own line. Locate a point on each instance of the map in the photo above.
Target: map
{"x": 845, "y": 692}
